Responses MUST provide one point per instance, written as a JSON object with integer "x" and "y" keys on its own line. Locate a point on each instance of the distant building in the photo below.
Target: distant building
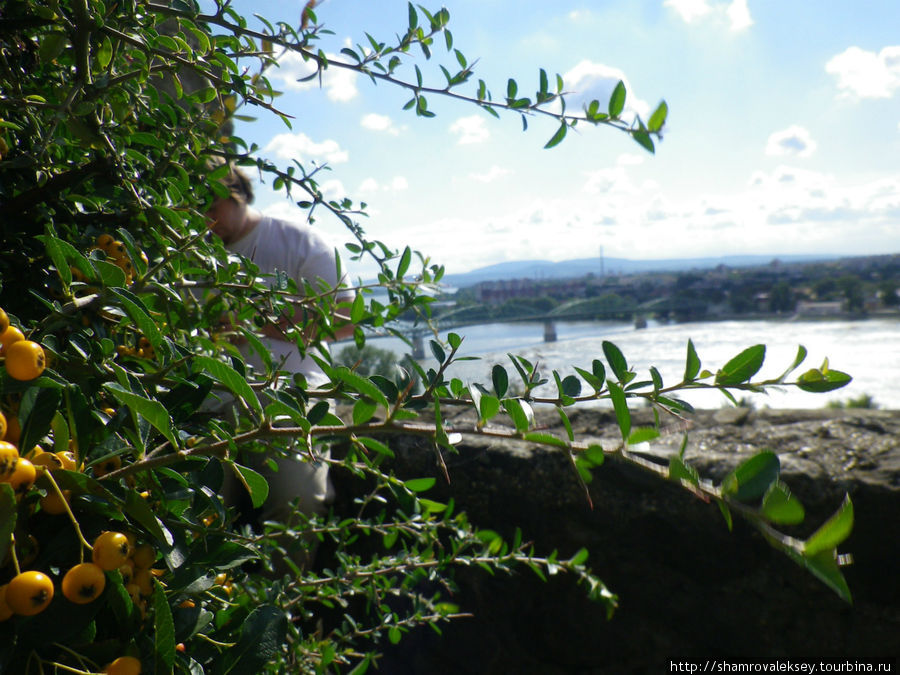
{"x": 826, "y": 308}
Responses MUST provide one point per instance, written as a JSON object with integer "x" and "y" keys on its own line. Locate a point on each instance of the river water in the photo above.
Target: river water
{"x": 869, "y": 350}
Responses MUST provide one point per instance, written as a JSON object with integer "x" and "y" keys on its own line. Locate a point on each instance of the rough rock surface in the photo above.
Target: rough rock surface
{"x": 688, "y": 588}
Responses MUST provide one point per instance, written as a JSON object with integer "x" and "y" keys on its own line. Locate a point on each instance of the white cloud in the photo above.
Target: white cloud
{"x": 865, "y": 74}
{"x": 491, "y": 174}
{"x": 689, "y": 10}
{"x": 399, "y": 183}
{"x": 302, "y": 148}
{"x": 368, "y": 185}
{"x": 736, "y": 14}
{"x": 579, "y": 14}
{"x": 471, "y": 129}
{"x": 595, "y": 81}
{"x": 377, "y": 122}
{"x": 776, "y": 211}
{"x": 339, "y": 83}
{"x": 795, "y": 140}
{"x": 739, "y": 15}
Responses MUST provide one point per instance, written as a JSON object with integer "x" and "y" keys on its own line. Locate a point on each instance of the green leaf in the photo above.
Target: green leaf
{"x": 617, "y": 100}
{"x": 37, "y": 424}
{"x": 263, "y": 635}
{"x": 363, "y": 410}
{"x": 405, "y": 259}
{"x": 800, "y": 358}
{"x": 437, "y": 351}
{"x": 488, "y": 407}
{"x": 594, "y": 454}
{"x": 832, "y": 532}
{"x": 500, "y": 380}
{"x": 358, "y": 309}
{"x": 395, "y": 635}
{"x": 742, "y": 367}
{"x": 817, "y": 381}
{"x": 376, "y": 446}
{"x": 596, "y": 383}
{"x": 642, "y": 435}
{"x": 152, "y": 411}
{"x": 361, "y": 384}
{"x": 824, "y": 566}
{"x": 520, "y": 413}
{"x": 571, "y": 386}
{"x": 658, "y": 118}
{"x": 623, "y": 414}
{"x": 164, "y": 633}
{"x": 692, "y": 363}
{"x": 644, "y": 140}
{"x": 752, "y": 478}
{"x": 726, "y": 514}
{"x": 230, "y": 378}
{"x": 546, "y": 439}
{"x": 781, "y": 507}
{"x": 564, "y": 418}
{"x": 137, "y": 508}
{"x": 255, "y": 483}
{"x": 138, "y": 313}
{"x": 557, "y": 138}
{"x": 681, "y": 471}
{"x": 616, "y": 361}
{"x": 419, "y": 484}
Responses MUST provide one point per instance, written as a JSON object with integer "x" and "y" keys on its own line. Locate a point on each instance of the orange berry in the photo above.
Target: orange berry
{"x": 108, "y": 465}
{"x": 9, "y": 458}
{"x": 111, "y": 550}
{"x": 4, "y": 320}
{"x": 2, "y": 426}
{"x": 10, "y": 336}
{"x": 23, "y": 476}
{"x": 53, "y": 505}
{"x": 144, "y": 581}
{"x": 83, "y": 583}
{"x": 144, "y": 556}
{"x": 25, "y": 360}
{"x": 124, "y": 665}
{"x": 29, "y": 593}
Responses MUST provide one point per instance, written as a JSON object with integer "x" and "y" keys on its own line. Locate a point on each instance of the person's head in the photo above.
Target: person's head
{"x": 227, "y": 215}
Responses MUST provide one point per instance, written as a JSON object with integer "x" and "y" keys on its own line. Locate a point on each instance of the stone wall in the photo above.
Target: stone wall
{"x": 688, "y": 587}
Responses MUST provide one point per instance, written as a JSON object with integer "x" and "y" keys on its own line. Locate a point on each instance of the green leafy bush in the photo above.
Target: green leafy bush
{"x": 109, "y": 115}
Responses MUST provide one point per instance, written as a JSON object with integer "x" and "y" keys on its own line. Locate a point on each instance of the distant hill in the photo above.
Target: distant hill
{"x": 568, "y": 269}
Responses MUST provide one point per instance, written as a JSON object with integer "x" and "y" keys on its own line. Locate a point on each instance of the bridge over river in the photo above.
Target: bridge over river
{"x": 588, "y": 309}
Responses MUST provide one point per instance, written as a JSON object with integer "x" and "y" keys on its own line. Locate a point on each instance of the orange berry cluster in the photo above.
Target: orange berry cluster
{"x": 24, "y": 359}
{"x": 30, "y": 592}
{"x": 117, "y": 252}
{"x": 143, "y": 350}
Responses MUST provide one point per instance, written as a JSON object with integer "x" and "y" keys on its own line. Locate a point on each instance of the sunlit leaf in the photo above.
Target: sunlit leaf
{"x": 781, "y": 507}
{"x": 752, "y": 478}
{"x": 742, "y": 367}
{"x": 834, "y": 531}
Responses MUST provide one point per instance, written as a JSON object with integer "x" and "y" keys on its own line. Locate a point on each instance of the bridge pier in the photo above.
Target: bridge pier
{"x": 549, "y": 331}
{"x": 418, "y": 345}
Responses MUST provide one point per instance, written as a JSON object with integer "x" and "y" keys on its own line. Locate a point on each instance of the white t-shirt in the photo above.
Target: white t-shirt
{"x": 303, "y": 254}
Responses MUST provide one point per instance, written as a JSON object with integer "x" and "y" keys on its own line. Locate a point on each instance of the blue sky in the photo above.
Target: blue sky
{"x": 783, "y": 133}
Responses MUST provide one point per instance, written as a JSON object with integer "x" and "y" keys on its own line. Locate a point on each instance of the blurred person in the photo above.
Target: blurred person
{"x": 297, "y": 250}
